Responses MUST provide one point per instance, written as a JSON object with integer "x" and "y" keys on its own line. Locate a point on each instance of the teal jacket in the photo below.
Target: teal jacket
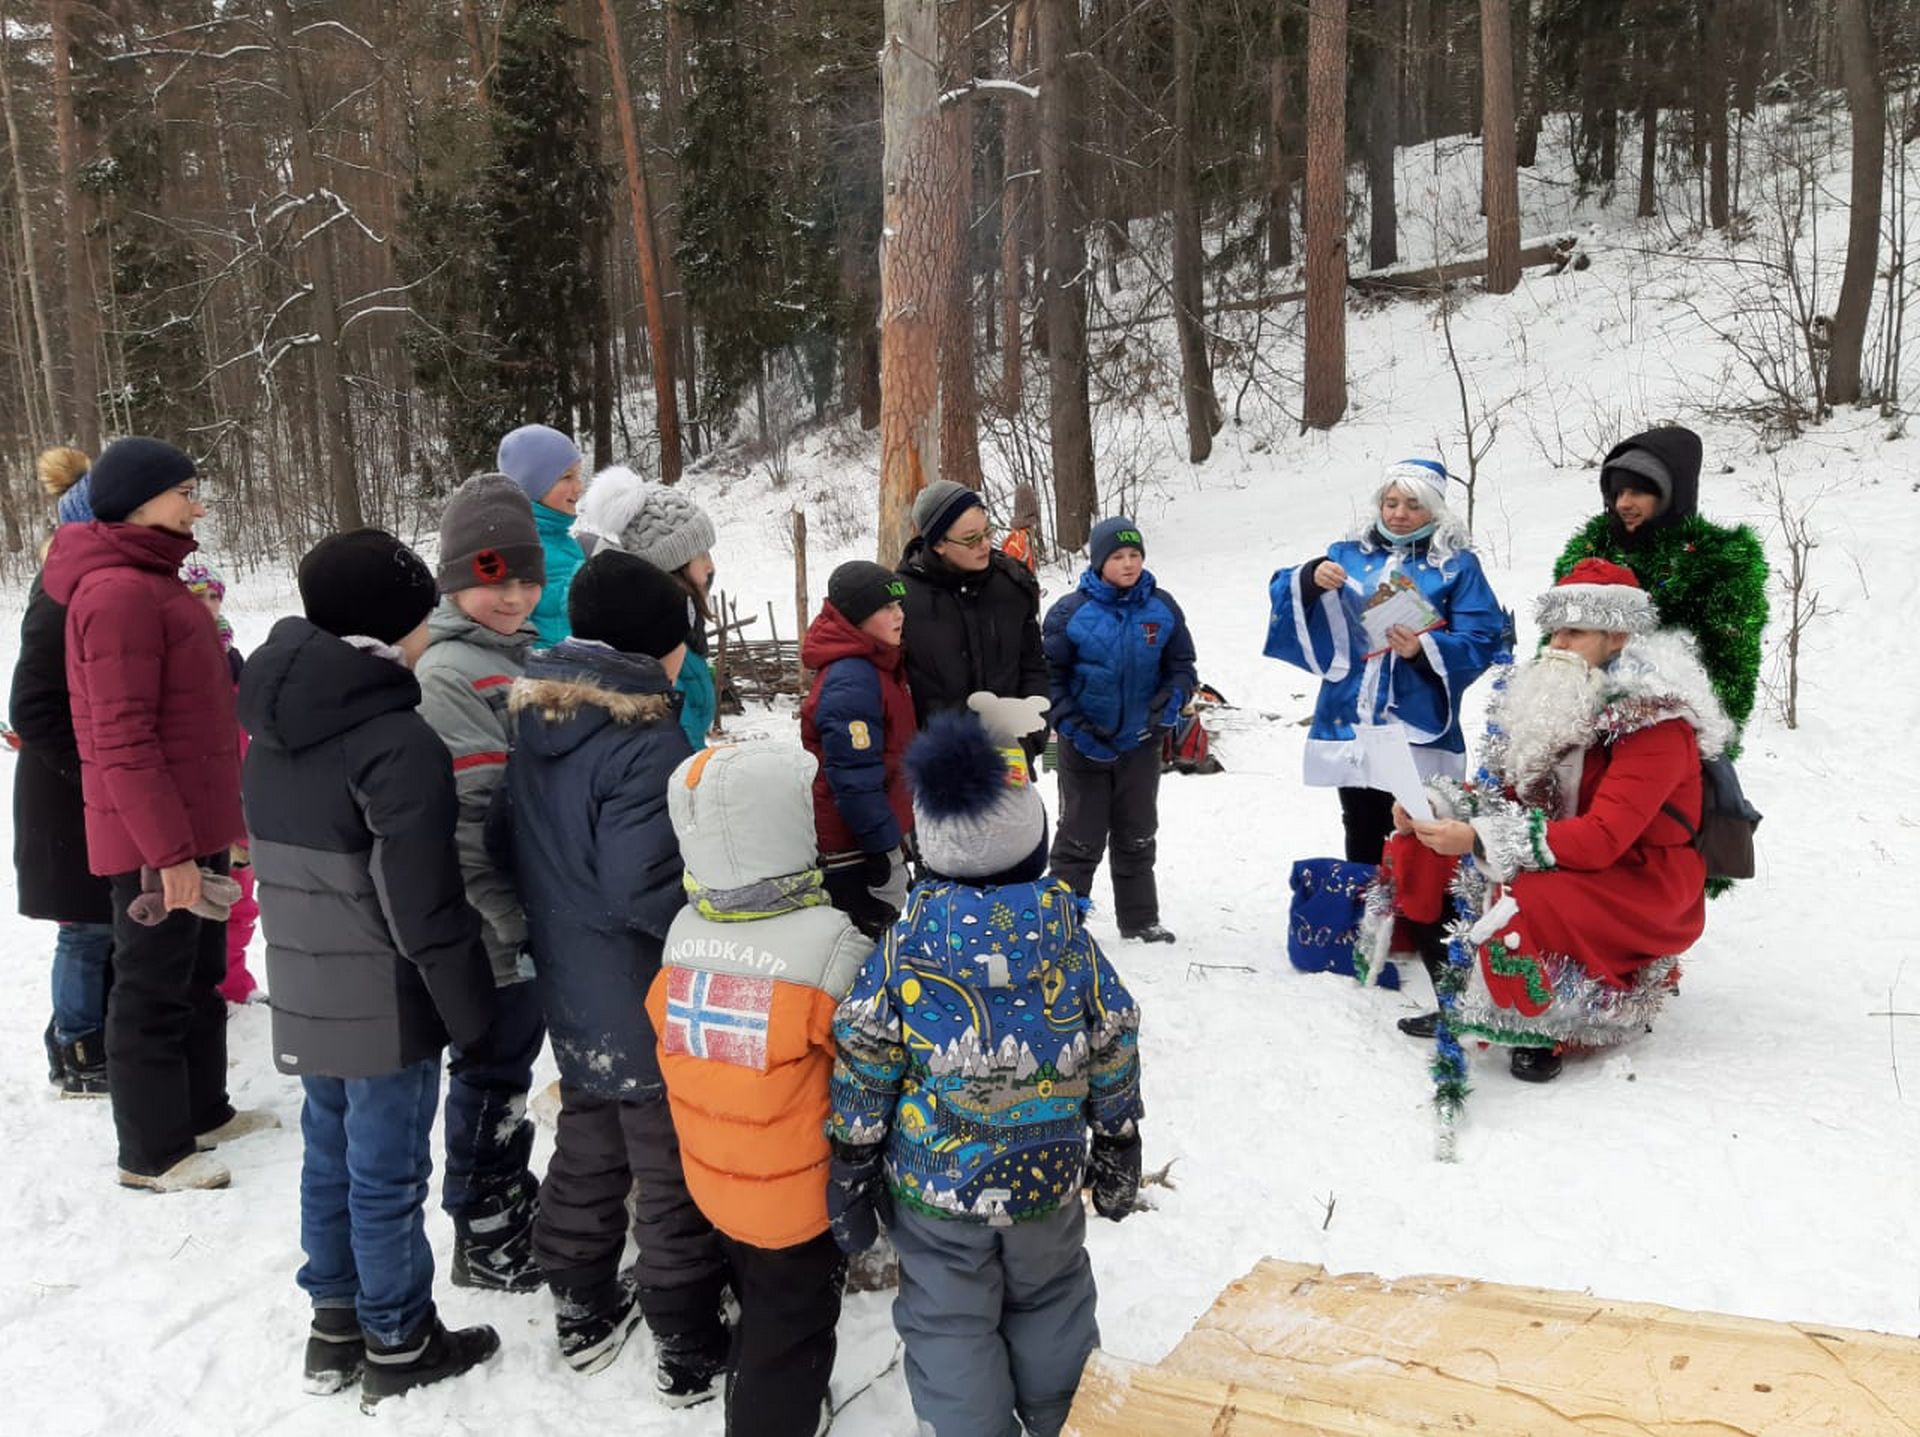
{"x": 699, "y": 699}
{"x": 563, "y": 558}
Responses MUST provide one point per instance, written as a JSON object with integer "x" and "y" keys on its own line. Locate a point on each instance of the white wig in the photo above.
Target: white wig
{"x": 1424, "y": 480}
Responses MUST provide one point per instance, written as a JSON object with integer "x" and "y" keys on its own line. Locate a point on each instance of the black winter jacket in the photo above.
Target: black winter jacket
{"x": 49, "y": 817}
{"x": 970, "y": 631}
{"x": 373, "y": 955}
{"x": 596, "y": 737}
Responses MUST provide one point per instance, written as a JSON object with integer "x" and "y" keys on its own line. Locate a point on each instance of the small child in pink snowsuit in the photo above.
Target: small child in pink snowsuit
{"x": 203, "y": 581}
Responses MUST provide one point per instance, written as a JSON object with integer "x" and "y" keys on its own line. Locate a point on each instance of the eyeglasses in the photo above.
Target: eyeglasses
{"x": 976, "y": 540}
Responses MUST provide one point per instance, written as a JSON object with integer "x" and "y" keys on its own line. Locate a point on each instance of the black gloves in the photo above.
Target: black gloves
{"x": 1113, "y": 1173}
{"x": 876, "y": 868}
{"x": 856, "y": 1183}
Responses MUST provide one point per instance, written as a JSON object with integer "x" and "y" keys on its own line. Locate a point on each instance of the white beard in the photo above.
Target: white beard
{"x": 1547, "y": 713}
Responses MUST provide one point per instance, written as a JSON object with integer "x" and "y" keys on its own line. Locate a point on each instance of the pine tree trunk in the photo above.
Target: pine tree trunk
{"x": 659, "y": 343}
{"x": 1649, "y": 203}
{"x": 912, "y": 268}
{"x": 959, "y": 397}
{"x": 1189, "y": 295}
{"x": 1279, "y": 156}
{"x": 1016, "y": 194}
{"x": 42, "y": 319}
{"x": 1325, "y": 397}
{"x": 82, "y": 318}
{"x": 680, "y": 336}
{"x": 1860, "y": 68}
{"x": 330, "y": 389}
{"x": 1382, "y": 63}
{"x": 477, "y": 56}
{"x": 1497, "y": 142}
{"x": 1070, "y": 410}
{"x": 1526, "y": 85}
{"x": 1713, "y": 101}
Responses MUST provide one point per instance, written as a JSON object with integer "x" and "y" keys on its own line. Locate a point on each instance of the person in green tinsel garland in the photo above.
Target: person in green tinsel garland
{"x": 1706, "y": 578}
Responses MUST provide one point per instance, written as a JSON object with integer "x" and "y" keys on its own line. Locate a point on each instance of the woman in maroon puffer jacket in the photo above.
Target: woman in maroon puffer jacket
{"x": 153, "y": 718}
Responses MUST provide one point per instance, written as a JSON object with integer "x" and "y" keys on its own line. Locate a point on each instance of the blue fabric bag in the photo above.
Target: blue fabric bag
{"x": 1323, "y": 923}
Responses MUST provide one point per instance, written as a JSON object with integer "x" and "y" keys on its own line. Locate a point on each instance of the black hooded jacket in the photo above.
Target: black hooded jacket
{"x": 969, "y": 631}
{"x": 1679, "y": 450}
{"x": 373, "y": 955}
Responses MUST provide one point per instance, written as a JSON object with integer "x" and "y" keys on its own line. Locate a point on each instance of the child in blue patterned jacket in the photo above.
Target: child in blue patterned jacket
{"x": 980, "y": 1041}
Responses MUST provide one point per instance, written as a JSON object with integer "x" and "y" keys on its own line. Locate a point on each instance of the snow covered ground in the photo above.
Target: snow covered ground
{"x": 1755, "y": 1155}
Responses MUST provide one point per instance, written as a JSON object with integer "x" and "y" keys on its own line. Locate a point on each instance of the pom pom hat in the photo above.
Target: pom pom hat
{"x": 1597, "y": 595}
{"x": 975, "y": 810}
{"x": 650, "y": 521}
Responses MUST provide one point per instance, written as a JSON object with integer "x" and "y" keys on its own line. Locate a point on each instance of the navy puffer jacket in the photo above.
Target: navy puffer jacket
{"x": 1120, "y": 663}
{"x": 597, "y": 735}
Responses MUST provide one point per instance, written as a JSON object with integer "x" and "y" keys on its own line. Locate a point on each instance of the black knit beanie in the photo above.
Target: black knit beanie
{"x": 131, "y": 471}
{"x": 368, "y": 583}
{"x": 859, "y": 589}
{"x": 629, "y": 605}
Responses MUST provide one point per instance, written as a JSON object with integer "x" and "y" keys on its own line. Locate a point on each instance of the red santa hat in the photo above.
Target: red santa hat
{"x": 1598, "y": 595}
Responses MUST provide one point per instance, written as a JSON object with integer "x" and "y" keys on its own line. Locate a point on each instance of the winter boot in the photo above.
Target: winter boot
{"x": 1147, "y": 933}
{"x": 1420, "y": 1025}
{"x": 686, "y": 1364}
{"x": 194, "y": 1172}
{"x": 83, "y": 1067}
{"x": 493, "y": 1243}
{"x": 244, "y": 1123}
{"x": 594, "y": 1323}
{"x": 430, "y": 1354}
{"x": 56, "y": 1064}
{"x": 1536, "y": 1065}
{"x": 336, "y": 1351}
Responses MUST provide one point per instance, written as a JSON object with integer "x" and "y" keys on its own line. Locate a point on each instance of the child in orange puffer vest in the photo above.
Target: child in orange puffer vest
{"x": 754, "y": 968}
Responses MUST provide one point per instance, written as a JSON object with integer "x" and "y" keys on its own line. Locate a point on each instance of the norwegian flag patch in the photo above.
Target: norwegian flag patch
{"x": 714, "y": 1015}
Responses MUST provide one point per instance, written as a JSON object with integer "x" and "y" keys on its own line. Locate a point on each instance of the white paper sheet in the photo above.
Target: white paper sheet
{"x": 1390, "y": 767}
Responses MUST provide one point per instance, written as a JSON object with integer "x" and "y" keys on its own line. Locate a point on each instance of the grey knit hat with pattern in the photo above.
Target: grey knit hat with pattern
{"x": 649, "y": 521}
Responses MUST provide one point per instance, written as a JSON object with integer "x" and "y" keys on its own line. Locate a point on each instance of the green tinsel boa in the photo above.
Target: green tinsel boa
{"x": 1704, "y": 578}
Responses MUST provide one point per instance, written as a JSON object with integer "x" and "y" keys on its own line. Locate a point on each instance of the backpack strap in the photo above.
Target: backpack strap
{"x": 1680, "y": 818}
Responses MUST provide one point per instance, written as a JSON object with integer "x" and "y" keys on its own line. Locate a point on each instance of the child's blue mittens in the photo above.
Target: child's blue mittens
{"x": 1090, "y": 744}
{"x": 1113, "y": 1174}
{"x": 855, "y": 1181}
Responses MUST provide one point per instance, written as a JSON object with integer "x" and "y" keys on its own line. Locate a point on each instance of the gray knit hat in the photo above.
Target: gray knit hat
{"x": 1638, "y": 469}
{"x": 649, "y": 521}
{"x": 937, "y": 506}
{"x": 487, "y": 536}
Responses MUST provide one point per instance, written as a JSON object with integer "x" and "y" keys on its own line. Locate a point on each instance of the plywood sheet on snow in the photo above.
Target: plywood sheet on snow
{"x": 1450, "y": 1351}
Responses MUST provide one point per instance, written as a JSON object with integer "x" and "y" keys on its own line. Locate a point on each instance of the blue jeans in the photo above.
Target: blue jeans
{"x": 489, "y": 1136}
{"x": 363, "y": 1197}
{"x": 81, "y": 954}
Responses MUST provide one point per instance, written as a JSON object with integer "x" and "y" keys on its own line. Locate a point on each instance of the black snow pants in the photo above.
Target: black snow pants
{"x": 166, "y": 1030}
{"x": 1367, "y": 816}
{"x": 605, "y": 1148}
{"x": 1114, "y": 803}
{"x": 783, "y": 1349}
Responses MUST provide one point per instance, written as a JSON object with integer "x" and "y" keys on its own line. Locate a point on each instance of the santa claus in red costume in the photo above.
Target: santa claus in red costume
{"x": 1585, "y": 887}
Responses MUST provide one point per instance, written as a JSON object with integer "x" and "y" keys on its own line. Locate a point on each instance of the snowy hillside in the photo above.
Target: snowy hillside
{"x": 1756, "y": 1154}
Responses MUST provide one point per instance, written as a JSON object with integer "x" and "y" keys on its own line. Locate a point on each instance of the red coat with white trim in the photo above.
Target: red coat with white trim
{"x": 857, "y": 722}
{"x": 465, "y": 676}
{"x": 1612, "y": 879}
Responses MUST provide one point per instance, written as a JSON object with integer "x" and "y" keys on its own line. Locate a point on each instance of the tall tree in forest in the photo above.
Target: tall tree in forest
{"x": 317, "y": 250}
{"x": 1189, "y": 296}
{"x": 82, "y": 325}
{"x": 544, "y": 191}
{"x": 1713, "y": 103}
{"x": 1069, "y": 405}
{"x": 1860, "y": 70}
{"x": 38, "y": 310}
{"x": 1380, "y": 73}
{"x": 659, "y": 342}
{"x": 1325, "y": 398}
{"x": 912, "y": 268}
{"x": 1501, "y": 194}
{"x": 959, "y": 382}
{"x": 1016, "y": 196}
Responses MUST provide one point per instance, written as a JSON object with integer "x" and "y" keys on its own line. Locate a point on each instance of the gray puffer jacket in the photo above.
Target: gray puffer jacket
{"x": 465, "y": 676}
{"x": 373, "y": 955}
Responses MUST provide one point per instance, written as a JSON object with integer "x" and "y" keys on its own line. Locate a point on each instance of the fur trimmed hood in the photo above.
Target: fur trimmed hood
{"x": 557, "y": 700}
{"x": 1657, "y": 677}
